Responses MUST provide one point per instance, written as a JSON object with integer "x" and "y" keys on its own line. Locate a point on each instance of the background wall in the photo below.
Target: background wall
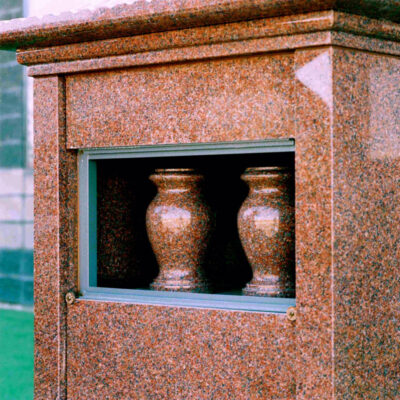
{"x": 16, "y": 181}
{"x": 16, "y": 158}
{"x": 39, "y": 8}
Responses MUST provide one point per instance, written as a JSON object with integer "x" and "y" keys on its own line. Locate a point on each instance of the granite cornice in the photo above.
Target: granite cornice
{"x": 159, "y": 15}
{"x": 246, "y": 37}
{"x": 180, "y": 39}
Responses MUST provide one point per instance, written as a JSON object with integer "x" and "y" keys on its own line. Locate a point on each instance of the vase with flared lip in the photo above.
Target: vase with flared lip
{"x": 266, "y": 229}
{"x": 179, "y": 224}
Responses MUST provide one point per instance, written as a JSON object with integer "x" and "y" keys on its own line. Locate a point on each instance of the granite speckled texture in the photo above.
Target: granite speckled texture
{"x": 121, "y": 214}
{"x": 125, "y": 257}
{"x": 245, "y": 98}
{"x": 260, "y": 28}
{"x": 217, "y": 51}
{"x": 254, "y": 29}
{"x": 55, "y": 236}
{"x": 366, "y": 217}
{"x": 313, "y": 115}
{"x": 266, "y": 226}
{"x": 179, "y": 225}
{"x": 234, "y": 82}
{"x": 191, "y": 53}
{"x": 127, "y": 351}
{"x": 144, "y": 17}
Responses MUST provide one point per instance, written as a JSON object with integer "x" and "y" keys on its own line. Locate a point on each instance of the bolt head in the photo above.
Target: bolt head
{"x": 70, "y": 298}
{"x": 291, "y": 314}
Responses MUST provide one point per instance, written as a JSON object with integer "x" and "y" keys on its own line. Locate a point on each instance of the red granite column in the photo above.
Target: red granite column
{"x": 314, "y": 251}
{"x": 366, "y": 144}
{"x": 55, "y": 236}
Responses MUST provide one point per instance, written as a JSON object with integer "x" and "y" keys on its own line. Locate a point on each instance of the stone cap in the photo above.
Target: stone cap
{"x": 162, "y": 15}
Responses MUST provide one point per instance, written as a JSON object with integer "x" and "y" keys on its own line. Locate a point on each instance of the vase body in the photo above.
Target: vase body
{"x": 179, "y": 224}
{"x": 266, "y": 229}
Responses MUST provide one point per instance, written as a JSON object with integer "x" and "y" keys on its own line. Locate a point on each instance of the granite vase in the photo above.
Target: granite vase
{"x": 266, "y": 229}
{"x": 179, "y": 224}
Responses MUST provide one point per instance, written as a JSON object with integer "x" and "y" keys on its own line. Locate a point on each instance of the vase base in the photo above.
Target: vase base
{"x": 267, "y": 291}
{"x": 179, "y": 286}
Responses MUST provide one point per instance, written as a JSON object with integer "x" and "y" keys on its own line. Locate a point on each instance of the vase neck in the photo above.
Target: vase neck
{"x": 267, "y": 184}
{"x": 177, "y": 181}
{"x": 178, "y": 189}
{"x": 265, "y": 190}
{"x": 268, "y": 181}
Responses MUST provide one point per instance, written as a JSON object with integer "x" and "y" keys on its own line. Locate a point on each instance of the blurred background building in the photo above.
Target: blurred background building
{"x": 16, "y": 178}
{"x": 16, "y": 155}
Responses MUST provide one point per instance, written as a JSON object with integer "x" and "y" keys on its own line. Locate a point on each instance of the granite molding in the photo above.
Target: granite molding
{"x": 192, "y": 37}
{"x": 215, "y": 51}
{"x": 271, "y": 27}
{"x": 366, "y": 44}
{"x": 186, "y": 54}
{"x": 249, "y": 37}
{"x": 157, "y": 15}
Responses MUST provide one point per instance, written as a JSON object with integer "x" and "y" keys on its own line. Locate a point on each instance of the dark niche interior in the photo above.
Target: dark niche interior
{"x": 124, "y": 255}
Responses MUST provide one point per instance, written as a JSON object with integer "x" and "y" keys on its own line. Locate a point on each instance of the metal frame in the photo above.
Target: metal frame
{"x": 88, "y": 227}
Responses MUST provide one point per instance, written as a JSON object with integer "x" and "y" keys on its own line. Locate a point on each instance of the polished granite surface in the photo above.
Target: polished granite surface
{"x": 329, "y": 81}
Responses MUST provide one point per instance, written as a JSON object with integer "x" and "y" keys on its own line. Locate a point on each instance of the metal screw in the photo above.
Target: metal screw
{"x": 70, "y": 298}
{"x": 291, "y": 314}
